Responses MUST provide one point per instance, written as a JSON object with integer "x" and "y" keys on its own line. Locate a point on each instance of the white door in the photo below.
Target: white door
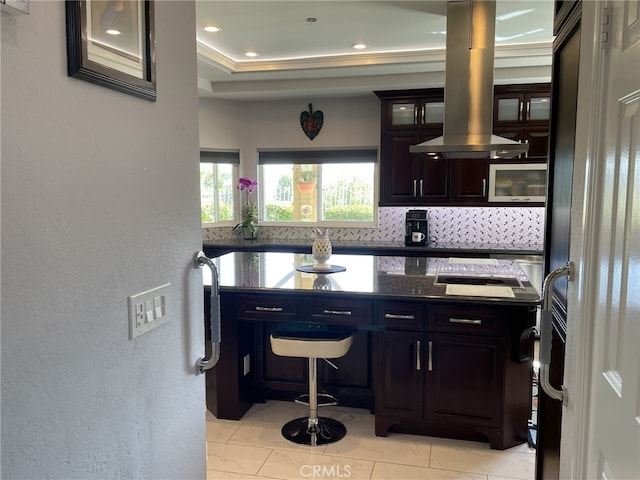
{"x": 611, "y": 443}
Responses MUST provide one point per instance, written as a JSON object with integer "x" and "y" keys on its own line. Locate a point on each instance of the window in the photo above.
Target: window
{"x": 319, "y": 186}
{"x": 218, "y": 177}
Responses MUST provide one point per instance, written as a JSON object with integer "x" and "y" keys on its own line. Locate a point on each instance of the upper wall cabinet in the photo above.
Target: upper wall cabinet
{"x": 521, "y": 104}
{"x": 422, "y": 109}
{"x": 521, "y": 112}
{"x": 409, "y": 118}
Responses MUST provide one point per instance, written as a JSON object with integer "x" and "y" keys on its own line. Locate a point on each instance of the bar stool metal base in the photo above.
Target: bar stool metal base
{"x": 326, "y": 430}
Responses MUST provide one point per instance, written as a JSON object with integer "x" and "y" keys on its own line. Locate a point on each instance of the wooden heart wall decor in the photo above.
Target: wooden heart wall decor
{"x": 311, "y": 122}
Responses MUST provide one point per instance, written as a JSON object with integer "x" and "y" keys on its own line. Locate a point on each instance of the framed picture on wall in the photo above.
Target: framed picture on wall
{"x": 111, "y": 43}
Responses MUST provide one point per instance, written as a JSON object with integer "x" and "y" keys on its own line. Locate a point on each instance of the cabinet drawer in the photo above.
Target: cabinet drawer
{"x": 340, "y": 311}
{"x": 401, "y": 315}
{"x": 467, "y": 319}
{"x": 268, "y": 307}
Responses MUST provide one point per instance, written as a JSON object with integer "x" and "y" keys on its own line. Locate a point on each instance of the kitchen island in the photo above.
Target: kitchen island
{"x": 441, "y": 346}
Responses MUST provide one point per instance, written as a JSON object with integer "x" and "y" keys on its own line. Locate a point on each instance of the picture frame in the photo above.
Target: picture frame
{"x": 112, "y": 43}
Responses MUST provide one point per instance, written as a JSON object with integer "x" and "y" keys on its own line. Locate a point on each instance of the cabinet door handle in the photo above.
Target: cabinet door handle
{"x": 430, "y": 357}
{"x": 336, "y": 312}
{"x": 415, "y": 187}
{"x": 484, "y": 187}
{"x": 418, "y": 363}
{"x": 521, "y": 117}
{"x": 397, "y": 316}
{"x": 528, "y": 110}
{"x": 466, "y": 321}
{"x": 526, "y": 153}
{"x": 415, "y": 115}
{"x": 421, "y": 181}
{"x": 269, "y": 309}
{"x": 423, "y": 115}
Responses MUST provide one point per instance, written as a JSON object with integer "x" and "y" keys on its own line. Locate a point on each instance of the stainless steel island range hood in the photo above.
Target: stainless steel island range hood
{"x": 468, "y": 90}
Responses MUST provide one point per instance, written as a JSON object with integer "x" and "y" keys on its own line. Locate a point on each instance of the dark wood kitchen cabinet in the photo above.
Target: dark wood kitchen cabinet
{"x": 522, "y": 113}
{"x": 454, "y": 370}
{"x": 400, "y": 378}
{"x": 469, "y": 180}
{"x": 413, "y": 179}
{"x": 460, "y": 368}
{"x": 273, "y": 376}
{"x": 408, "y": 119}
{"x": 408, "y": 178}
{"x": 412, "y": 110}
{"x": 287, "y": 377}
{"x": 399, "y": 357}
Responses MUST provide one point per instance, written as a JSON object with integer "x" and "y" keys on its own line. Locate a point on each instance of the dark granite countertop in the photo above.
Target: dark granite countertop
{"x": 374, "y": 276}
{"x": 217, "y": 247}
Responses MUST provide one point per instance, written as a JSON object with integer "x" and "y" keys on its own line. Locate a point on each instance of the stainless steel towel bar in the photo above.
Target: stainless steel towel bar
{"x": 203, "y": 364}
{"x": 546, "y": 330}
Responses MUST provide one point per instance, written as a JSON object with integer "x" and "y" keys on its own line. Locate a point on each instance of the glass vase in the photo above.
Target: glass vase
{"x": 250, "y": 233}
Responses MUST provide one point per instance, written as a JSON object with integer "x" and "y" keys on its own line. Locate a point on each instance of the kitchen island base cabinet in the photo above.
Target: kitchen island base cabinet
{"x": 422, "y": 361}
{"x": 399, "y": 370}
{"x": 466, "y": 374}
{"x": 286, "y": 378}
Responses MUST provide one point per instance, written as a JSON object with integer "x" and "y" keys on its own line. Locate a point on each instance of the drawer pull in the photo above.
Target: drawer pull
{"x": 336, "y": 312}
{"x": 418, "y": 355}
{"x": 269, "y": 309}
{"x": 430, "y": 360}
{"x": 396, "y": 316}
{"x": 466, "y": 321}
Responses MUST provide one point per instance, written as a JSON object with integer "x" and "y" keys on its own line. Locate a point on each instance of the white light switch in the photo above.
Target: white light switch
{"x": 148, "y": 310}
{"x": 157, "y": 306}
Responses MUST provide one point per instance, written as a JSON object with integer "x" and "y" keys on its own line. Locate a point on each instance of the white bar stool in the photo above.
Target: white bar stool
{"x": 313, "y": 344}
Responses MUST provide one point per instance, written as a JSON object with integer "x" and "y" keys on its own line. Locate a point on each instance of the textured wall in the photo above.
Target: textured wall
{"x": 99, "y": 201}
{"x": 249, "y": 126}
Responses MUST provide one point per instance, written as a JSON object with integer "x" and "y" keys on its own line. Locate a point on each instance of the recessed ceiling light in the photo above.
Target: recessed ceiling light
{"x": 211, "y": 28}
{"x": 251, "y": 54}
{"x": 359, "y": 46}
{"x": 112, "y": 31}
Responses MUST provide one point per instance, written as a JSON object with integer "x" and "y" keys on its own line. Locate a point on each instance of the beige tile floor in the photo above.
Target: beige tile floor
{"x": 253, "y": 448}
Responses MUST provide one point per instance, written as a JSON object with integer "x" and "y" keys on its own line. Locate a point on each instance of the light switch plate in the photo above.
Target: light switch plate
{"x": 148, "y": 310}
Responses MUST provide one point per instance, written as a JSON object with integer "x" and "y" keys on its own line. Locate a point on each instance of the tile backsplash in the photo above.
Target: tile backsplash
{"x": 508, "y": 225}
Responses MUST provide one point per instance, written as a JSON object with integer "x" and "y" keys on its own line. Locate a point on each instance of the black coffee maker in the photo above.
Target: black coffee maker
{"x": 416, "y": 229}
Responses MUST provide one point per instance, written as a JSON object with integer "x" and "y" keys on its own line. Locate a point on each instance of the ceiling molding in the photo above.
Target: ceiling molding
{"x": 215, "y": 58}
{"x": 424, "y": 57}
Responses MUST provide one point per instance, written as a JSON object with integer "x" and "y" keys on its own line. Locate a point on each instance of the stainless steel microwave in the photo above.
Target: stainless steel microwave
{"x": 517, "y": 182}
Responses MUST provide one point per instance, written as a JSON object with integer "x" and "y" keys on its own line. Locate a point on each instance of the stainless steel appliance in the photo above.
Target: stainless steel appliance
{"x": 416, "y": 228}
{"x": 517, "y": 182}
{"x": 468, "y": 89}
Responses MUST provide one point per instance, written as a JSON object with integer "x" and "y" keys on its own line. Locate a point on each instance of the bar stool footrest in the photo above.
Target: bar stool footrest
{"x": 330, "y": 399}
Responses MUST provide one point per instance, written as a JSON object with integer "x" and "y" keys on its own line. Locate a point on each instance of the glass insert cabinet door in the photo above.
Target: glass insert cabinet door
{"x": 517, "y": 182}
{"x": 404, "y": 113}
{"x": 523, "y": 109}
{"x": 416, "y": 113}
